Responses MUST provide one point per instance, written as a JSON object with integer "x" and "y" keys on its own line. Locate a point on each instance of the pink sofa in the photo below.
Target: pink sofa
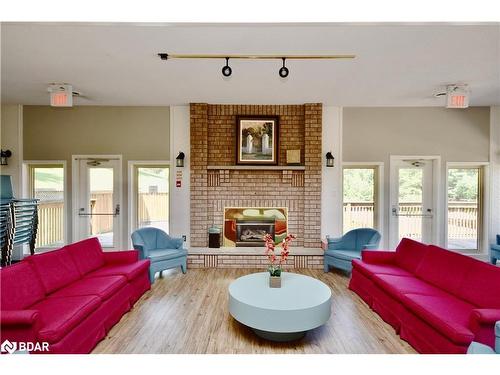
{"x": 71, "y": 297}
{"x": 437, "y": 300}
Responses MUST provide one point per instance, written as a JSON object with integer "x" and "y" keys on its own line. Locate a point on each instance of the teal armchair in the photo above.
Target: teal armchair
{"x": 477, "y": 348}
{"x": 163, "y": 251}
{"x": 341, "y": 251}
{"x": 495, "y": 251}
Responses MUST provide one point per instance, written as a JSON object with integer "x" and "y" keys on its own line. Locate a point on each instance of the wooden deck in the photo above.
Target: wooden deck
{"x": 189, "y": 314}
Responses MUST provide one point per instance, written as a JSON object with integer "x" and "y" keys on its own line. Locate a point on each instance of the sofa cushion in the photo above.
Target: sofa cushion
{"x": 87, "y": 255}
{"x": 58, "y": 316}
{"x": 444, "y": 269}
{"x": 20, "y": 287}
{"x": 102, "y": 287}
{"x": 409, "y": 254}
{"x": 130, "y": 270}
{"x": 369, "y": 269}
{"x": 445, "y": 313}
{"x": 481, "y": 285}
{"x": 396, "y": 286}
{"x": 344, "y": 254}
{"x": 166, "y": 254}
{"x": 56, "y": 269}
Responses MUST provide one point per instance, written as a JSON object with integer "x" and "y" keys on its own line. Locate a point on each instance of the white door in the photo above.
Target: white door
{"x": 98, "y": 200}
{"x": 412, "y": 202}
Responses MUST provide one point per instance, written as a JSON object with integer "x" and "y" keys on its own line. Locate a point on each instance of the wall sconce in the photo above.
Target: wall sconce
{"x": 179, "y": 160}
{"x": 330, "y": 159}
{"x": 4, "y": 155}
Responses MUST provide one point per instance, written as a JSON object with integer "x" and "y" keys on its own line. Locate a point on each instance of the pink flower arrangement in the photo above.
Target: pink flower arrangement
{"x": 275, "y": 266}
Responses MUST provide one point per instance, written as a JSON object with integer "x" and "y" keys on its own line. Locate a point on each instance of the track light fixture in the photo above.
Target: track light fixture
{"x": 226, "y": 69}
{"x": 283, "y": 72}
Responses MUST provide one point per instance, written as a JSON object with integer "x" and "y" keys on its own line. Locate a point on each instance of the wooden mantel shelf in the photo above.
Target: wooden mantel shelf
{"x": 259, "y": 167}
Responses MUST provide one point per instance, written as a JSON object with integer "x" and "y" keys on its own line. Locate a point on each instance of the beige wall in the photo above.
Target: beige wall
{"x": 10, "y": 139}
{"x": 373, "y": 134}
{"x": 136, "y": 133}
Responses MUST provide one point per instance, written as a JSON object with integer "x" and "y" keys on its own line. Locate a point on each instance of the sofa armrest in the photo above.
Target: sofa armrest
{"x": 120, "y": 257}
{"x": 485, "y": 316}
{"x": 378, "y": 256}
{"x": 18, "y": 317}
{"x": 370, "y": 246}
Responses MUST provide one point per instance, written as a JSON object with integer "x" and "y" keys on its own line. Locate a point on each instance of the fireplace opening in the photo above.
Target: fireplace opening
{"x": 246, "y": 226}
{"x": 251, "y": 233}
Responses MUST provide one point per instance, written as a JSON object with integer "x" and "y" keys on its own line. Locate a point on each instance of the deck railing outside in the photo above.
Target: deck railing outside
{"x": 151, "y": 208}
{"x": 462, "y": 218}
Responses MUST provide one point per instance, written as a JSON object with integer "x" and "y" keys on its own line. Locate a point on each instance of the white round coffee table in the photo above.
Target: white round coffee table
{"x": 280, "y": 314}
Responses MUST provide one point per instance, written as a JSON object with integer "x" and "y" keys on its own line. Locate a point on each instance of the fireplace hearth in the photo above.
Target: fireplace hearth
{"x": 251, "y": 233}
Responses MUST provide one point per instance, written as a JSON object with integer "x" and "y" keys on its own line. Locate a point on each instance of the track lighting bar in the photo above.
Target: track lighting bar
{"x": 166, "y": 56}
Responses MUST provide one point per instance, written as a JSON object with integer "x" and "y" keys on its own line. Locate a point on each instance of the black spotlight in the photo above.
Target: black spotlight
{"x": 226, "y": 69}
{"x": 283, "y": 72}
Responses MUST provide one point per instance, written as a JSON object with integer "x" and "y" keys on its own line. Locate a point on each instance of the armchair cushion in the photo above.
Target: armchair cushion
{"x": 344, "y": 254}
{"x": 164, "y": 241}
{"x": 166, "y": 254}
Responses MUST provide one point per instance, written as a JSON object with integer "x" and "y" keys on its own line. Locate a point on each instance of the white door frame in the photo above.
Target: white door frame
{"x": 436, "y": 194}
{"x": 75, "y": 182}
{"x": 131, "y": 196}
{"x": 484, "y": 247}
{"x": 379, "y": 190}
{"x": 26, "y": 193}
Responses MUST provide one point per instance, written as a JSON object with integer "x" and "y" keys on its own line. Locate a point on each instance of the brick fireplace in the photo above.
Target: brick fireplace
{"x": 217, "y": 183}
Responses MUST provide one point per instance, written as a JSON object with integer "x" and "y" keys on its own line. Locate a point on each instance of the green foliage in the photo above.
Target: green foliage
{"x": 410, "y": 185}
{"x": 463, "y": 184}
{"x": 358, "y": 185}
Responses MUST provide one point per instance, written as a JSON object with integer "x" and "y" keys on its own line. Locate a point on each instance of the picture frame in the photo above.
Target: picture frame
{"x": 257, "y": 140}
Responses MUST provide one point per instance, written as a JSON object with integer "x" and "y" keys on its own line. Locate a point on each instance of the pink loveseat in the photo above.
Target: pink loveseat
{"x": 71, "y": 297}
{"x": 437, "y": 300}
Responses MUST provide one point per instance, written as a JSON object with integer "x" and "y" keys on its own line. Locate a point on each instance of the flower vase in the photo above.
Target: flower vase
{"x": 275, "y": 281}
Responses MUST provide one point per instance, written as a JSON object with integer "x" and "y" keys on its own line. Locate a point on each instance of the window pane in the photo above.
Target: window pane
{"x": 152, "y": 197}
{"x": 359, "y": 198}
{"x": 48, "y": 187}
{"x": 463, "y": 208}
{"x": 101, "y": 202}
{"x": 410, "y": 203}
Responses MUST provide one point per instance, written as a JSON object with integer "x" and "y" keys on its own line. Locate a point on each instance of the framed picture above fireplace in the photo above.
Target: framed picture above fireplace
{"x": 257, "y": 140}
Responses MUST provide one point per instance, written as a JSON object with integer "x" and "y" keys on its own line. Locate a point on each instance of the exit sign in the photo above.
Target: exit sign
{"x": 61, "y": 96}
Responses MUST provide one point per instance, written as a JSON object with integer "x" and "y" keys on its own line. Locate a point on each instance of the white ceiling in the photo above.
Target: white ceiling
{"x": 116, "y": 64}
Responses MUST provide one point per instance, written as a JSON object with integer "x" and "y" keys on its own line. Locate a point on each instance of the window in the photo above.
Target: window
{"x": 46, "y": 183}
{"x": 151, "y": 196}
{"x": 464, "y": 208}
{"x": 359, "y": 197}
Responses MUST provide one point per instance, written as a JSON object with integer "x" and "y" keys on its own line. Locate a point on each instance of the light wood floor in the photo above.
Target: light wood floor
{"x": 189, "y": 314}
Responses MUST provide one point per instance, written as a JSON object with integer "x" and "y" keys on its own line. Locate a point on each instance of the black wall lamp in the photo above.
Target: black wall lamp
{"x": 330, "y": 160}
{"x": 226, "y": 69}
{"x": 179, "y": 160}
{"x": 283, "y": 72}
{"x": 4, "y": 156}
